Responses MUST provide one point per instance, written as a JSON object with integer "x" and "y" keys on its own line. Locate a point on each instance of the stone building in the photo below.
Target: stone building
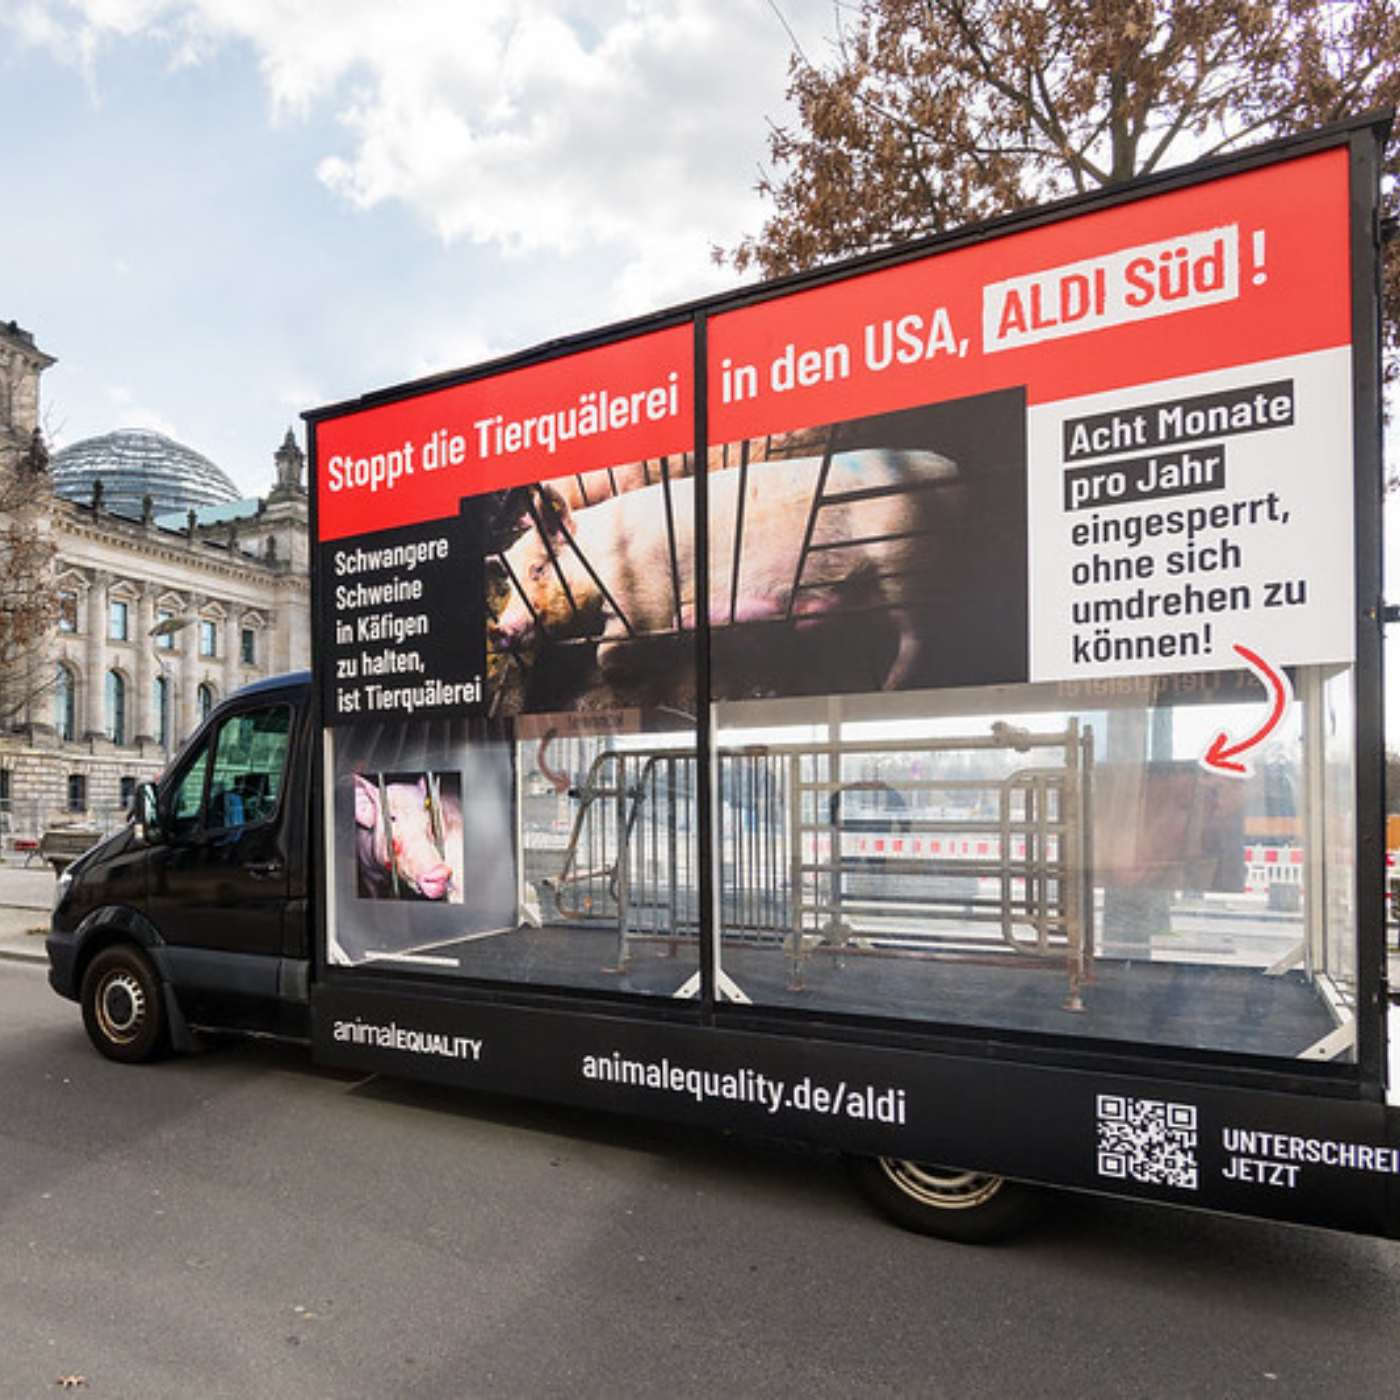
{"x": 172, "y": 592}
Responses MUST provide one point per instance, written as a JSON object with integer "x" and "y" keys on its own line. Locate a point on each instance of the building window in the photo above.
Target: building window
{"x": 128, "y": 791}
{"x": 249, "y": 647}
{"x": 118, "y": 620}
{"x": 116, "y": 707}
{"x": 208, "y": 638}
{"x": 67, "y": 612}
{"x": 164, "y": 640}
{"x": 160, "y": 704}
{"x": 4, "y": 792}
{"x": 206, "y": 702}
{"x": 77, "y": 792}
{"x": 64, "y": 703}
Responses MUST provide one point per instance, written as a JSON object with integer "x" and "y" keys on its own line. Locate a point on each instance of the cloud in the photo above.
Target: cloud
{"x": 532, "y": 126}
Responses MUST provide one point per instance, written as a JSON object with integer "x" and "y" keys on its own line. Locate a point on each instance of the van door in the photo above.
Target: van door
{"x": 218, "y": 886}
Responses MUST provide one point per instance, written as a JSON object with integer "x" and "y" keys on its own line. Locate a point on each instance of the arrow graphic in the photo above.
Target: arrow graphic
{"x": 1220, "y": 757}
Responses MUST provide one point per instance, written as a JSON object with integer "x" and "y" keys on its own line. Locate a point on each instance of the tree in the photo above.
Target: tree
{"x": 28, "y": 607}
{"x": 936, "y": 113}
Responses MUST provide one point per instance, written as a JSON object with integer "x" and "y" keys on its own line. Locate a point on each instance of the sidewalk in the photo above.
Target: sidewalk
{"x": 25, "y": 900}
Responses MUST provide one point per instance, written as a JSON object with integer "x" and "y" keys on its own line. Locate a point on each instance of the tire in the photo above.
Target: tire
{"x": 969, "y": 1207}
{"x": 122, "y": 1009}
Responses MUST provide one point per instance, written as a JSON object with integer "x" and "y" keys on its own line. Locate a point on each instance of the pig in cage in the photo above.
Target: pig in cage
{"x": 880, "y": 849}
{"x": 408, "y": 836}
{"x": 795, "y": 542}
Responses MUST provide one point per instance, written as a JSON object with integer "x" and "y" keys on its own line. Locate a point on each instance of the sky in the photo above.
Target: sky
{"x": 222, "y": 212}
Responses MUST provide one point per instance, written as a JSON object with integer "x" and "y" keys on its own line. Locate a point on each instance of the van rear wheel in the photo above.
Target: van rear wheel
{"x": 970, "y": 1207}
{"x": 122, "y": 1010}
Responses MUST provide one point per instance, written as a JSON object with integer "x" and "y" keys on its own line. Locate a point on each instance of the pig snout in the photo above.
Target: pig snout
{"x": 513, "y": 629}
{"x": 434, "y": 882}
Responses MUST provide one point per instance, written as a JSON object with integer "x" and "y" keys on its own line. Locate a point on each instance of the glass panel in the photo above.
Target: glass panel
{"x": 116, "y": 708}
{"x": 1032, "y": 858}
{"x": 117, "y": 621}
{"x": 553, "y": 841}
{"x": 246, "y": 781}
{"x": 63, "y": 706}
{"x": 188, "y": 799}
{"x": 510, "y": 678}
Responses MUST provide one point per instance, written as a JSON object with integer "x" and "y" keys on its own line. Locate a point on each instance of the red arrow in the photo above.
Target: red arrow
{"x": 1219, "y": 757}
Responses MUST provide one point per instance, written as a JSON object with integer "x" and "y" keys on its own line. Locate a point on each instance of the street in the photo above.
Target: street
{"x": 243, "y": 1224}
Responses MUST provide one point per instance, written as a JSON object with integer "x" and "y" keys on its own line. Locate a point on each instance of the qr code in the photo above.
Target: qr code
{"x": 1147, "y": 1140}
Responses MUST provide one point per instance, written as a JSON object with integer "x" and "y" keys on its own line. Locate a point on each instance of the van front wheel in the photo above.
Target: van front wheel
{"x": 121, "y": 1005}
{"x": 971, "y": 1207}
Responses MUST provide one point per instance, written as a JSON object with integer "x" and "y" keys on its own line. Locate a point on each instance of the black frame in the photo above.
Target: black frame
{"x": 1335, "y": 1095}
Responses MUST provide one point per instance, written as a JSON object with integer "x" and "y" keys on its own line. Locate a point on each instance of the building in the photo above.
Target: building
{"x": 171, "y": 590}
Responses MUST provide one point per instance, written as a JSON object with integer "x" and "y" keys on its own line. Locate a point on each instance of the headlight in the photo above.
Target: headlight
{"x": 61, "y": 887}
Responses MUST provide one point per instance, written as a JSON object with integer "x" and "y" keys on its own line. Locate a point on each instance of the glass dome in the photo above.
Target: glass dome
{"x": 136, "y": 462}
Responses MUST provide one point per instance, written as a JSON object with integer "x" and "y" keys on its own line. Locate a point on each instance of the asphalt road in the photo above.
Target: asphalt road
{"x": 243, "y": 1224}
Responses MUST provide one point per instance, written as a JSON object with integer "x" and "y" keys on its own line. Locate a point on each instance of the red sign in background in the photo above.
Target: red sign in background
{"x": 641, "y": 365}
{"x": 1302, "y": 304}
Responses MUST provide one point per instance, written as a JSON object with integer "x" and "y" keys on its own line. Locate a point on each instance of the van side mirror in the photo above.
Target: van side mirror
{"x": 147, "y": 812}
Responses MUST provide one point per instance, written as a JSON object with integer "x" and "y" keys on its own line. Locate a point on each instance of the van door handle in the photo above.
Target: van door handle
{"x": 265, "y": 870}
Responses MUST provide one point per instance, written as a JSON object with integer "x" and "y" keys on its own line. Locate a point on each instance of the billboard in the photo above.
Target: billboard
{"x": 875, "y": 642}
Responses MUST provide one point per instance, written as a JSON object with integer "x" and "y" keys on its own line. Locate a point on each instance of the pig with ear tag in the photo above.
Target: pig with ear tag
{"x": 402, "y": 835}
{"x": 869, "y": 541}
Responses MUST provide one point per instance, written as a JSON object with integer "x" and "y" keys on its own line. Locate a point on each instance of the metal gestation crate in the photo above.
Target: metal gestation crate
{"x": 924, "y": 848}
{"x": 667, "y": 473}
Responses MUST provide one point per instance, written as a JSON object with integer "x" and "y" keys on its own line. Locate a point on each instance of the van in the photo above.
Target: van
{"x": 195, "y": 913}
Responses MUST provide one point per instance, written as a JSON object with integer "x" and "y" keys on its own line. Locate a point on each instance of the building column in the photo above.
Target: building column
{"x": 95, "y": 659}
{"x": 145, "y": 721}
{"x": 189, "y": 684}
{"x": 230, "y": 658}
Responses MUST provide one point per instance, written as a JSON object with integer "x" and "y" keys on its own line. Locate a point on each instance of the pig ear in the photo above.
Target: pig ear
{"x": 554, "y": 510}
{"x": 515, "y": 512}
{"x": 366, "y": 803}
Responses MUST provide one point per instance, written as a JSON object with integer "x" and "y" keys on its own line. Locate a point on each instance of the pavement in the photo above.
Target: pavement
{"x": 26, "y": 895}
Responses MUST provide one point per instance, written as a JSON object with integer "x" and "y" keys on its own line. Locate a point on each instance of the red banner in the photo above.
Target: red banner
{"x": 414, "y": 459}
{"x": 1236, "y": 270}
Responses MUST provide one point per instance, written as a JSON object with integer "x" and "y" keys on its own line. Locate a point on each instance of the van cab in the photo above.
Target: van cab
{"x": 196, "y": 913}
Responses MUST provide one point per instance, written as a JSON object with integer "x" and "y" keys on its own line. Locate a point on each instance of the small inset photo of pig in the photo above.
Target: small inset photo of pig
{"x": 408, "y": 836}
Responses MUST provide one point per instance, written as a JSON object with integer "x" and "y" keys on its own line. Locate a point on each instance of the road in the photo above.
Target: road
{"x": 242, "y": 1224}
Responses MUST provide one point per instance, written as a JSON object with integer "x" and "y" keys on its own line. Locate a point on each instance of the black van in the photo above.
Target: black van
{"x": 195, "y": 913}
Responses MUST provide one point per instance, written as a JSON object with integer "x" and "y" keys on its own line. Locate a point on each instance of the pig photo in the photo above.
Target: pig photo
{"x": 838, "y": 562}
{"x": 408, "y": 836}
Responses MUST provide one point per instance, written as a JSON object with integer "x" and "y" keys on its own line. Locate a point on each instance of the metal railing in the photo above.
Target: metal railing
{"x": 817, "y": 857}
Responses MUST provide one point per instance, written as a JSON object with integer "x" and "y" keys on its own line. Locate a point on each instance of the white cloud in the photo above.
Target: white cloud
{"x": 530, "y": 125}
